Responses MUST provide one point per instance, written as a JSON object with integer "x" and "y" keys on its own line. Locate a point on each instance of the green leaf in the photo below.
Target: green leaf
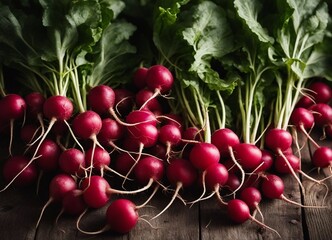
{"x": 249, "y": 11}
{"x": 209, "y": 34}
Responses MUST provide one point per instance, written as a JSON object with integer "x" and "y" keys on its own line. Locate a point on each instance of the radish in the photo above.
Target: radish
{"x": 159, "y": 80}
{"x": 72, "y": 162}
{"x": 213, "y": 178}
{"x": 251, "y": 196}
{"x": 322, "y": 114}
{"x": 322, "y": 157}
{"x": 73, "y": 203}
{"x": 139, "y": 78}
{"x": 29, "y": 132}
{"x": 48, "y": 155}
{"x": 204, "y": 154}
{"x": 223, "y": 139}
{"x": 170, "y": 135}
{"x": 320, "y": 92}
{"x": 101, "y": 99}
{"x": 239, "y": 212}
{"x": 34, "y": 103}
{"x": 278, "y": 140}
{"x": 14, "y": 165}
{"x": 233, "y": 182}
{"x": 110, "y": 132}
{"x": 58, "y": 187}
{"x": 304, "y": 120}
{"x": 99, "y": 159}
{"x": 124, "y": 162}
{"x": 149, "y": 168}
{"x": 192, "y": 134}
{"x": 143, "y": 96}
{"x": 121, "y": 217}
{"x": 12, "y": 107}
{"x": 181, "y": 174}
{"x": 247, "y": 155}
{"x": 124, "y": 101}
{"x": 97, "y": 191}
{"x": 272, "y": 187}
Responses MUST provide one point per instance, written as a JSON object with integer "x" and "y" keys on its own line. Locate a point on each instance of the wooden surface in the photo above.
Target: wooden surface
{"x": 19, "y": 211}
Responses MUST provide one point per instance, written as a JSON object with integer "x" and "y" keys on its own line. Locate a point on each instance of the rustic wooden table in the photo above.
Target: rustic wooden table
{"x": 19, "y": 211}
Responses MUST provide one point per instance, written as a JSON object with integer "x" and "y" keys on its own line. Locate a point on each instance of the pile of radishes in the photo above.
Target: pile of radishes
{"x": 129, "y": 141}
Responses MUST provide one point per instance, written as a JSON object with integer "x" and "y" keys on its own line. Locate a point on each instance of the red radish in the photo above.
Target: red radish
{"x": 159, "y": 151}
{"x": 289, "y": 164}
{"x": 121, "y": 217}
{"x": 267, "y": 161}
{"x": 322, "y": 157}
{"x": 170, "y": 135}
{"x": 58, "y": 187}
{"x": 159, "y": 80}
{"x": 124, "y": 101}
{"x": 110, "y": 132}
{"x": 48, "y": 155}
{"x": 144, "y": 95}
{"x": 73, "y": 202}
{"x": 251, "y": 196}
{"x": 192, "y": 134}
{"x": 149, "y": 168}
{"x": 204, "y": 154}
{"x": 181, "y": 174}
{"x": 320, "y": 91}
{"x": 239, "y": 212}
{"x": 277, "y": 139}
{"x": 14, "y": 165}
{"x": 35, "y": 102}
{"x": 272, "y": 187}
{"x": 58, "y": 108}
{"x": 213, "y": 178}
{"x": 139, "y": 78}
{"x": 247, "y": 155}
{"x": 124, "y": 162}
{"x": 233, "y": 182}
{"x": 304, "y": 120}
{"x": 29, "y": 132}
{"x": 87, "y": 125}
{"x": 322, "y": 113}
{"x": 223, "y": 139}
{"x": 281, "y": 166}
{"x": 12, "y": 107}
{"x": 72, "y": 162}
{"x": 137, "y": 117}
{"x": 97, "y": 191}
{"x": 305, "y": 101}
{"x": 99, "y": 159}
{"x": 101, "y": 99}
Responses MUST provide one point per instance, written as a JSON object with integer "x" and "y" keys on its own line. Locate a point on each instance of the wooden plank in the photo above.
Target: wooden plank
{"x": 18, "y": 214}
{"x": 318, "y": 221}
